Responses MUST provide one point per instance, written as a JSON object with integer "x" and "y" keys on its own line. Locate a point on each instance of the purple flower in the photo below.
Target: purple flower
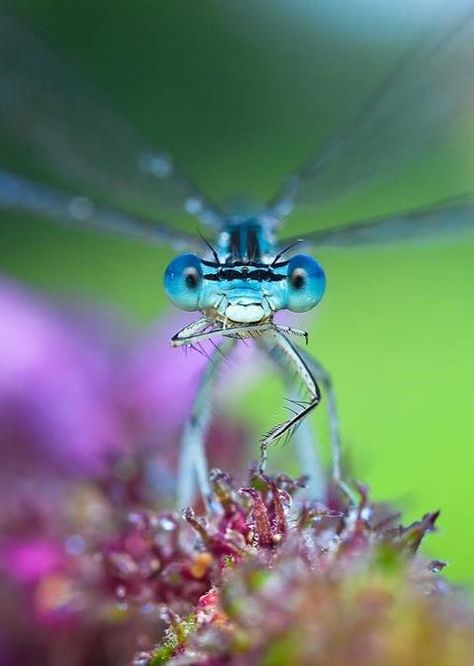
{"x": 56, "y": 389}
{"x": 29, "y": 560}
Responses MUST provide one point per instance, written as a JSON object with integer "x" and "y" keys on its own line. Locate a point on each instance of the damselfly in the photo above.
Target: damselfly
{"x": 238, "y": 279}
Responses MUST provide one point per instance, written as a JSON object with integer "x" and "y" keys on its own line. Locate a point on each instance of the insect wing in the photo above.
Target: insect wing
{"x": 72, "y": 138}
{"x": 19, "y": 194}
{"x": 448, "y": 218}
{"x": 429, "y": 87}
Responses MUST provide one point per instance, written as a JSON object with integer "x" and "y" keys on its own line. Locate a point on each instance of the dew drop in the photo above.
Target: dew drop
{"x": 81, "y": 208}
{"x": 167, "y": 524}
{"x": 193, "y": 205}
{"x": 120, "y": 591}
{"x": 156, "y": 164}
{"x": 148, "y": 608}
{"x": 74, "y": 544}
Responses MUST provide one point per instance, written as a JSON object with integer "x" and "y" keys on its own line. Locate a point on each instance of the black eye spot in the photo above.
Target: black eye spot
{"x": 298, "y": 278}
{"x": 192, "y": 277}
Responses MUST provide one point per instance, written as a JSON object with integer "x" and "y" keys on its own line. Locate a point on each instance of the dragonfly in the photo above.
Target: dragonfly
{"x": 88, "y": 168}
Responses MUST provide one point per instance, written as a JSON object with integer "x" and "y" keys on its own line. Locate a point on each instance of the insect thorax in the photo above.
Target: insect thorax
{"x": 245, "y": 241}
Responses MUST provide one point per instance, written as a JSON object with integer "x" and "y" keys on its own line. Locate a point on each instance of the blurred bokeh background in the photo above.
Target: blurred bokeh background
{"x": 239, "y": 94}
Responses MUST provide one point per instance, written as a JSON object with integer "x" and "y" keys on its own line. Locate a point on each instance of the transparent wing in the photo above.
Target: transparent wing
{"x": 448, "y": 218}
{"x": 69, "y": 136}
{"x": 428, "y": 88}
{"x": 20, "y": 195}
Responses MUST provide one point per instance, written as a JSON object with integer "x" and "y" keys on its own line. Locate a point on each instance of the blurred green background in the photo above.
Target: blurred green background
{"x": 239, "y": 93}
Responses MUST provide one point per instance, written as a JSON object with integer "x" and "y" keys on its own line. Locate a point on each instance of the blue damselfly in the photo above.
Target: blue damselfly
{"x": 240, "y": 276}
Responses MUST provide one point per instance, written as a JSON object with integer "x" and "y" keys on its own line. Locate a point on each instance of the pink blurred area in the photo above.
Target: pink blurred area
{"x": 29, "y": 560}
{"x": 158, "y": 379}
{"x": 72, "y": 399}
{"x": 90, "y": 426}
{"x": 56, "y": 388}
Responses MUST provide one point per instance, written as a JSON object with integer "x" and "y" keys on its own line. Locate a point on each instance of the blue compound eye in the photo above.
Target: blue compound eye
{"x": 306, "y": 283}
{"x": 183, "y": 282}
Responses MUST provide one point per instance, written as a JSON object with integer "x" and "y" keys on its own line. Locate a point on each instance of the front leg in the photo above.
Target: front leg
{"x": 185, "y": 335}
{"x": 287, "y": 356}
{"x": 307, "y": 449}
{"x": 309, "y": 371}
{"x": 204, "y": 329}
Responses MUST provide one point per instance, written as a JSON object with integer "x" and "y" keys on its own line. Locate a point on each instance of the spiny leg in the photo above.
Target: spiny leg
{"x": 306, "y": 444}
{"x": 192, "y": 462}
{"x": 203, "y": 329}
{"x": 186, "y": 335}
{"x": 323, "y": 376}
{"x": 218, "y": 331}
{"x": 307, "y": 448}
{"x": 288, "y": 357}
{"x": 308, "y": 452}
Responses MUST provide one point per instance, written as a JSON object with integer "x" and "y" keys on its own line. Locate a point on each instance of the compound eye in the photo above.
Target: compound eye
{"x": 306, "y": 283}
{"x": 183, "y": 282}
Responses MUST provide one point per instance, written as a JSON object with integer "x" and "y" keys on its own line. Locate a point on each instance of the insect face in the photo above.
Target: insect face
{"x": 244, "y": 293}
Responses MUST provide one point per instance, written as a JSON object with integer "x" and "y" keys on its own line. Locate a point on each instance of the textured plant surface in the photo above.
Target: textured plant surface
{"x": 291, "y": 582}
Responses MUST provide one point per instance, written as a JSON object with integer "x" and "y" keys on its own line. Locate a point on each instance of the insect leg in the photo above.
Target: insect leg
{"x": 305, "y": 441}
{"x": 189, "y": 336}
{"x": 190, "y": 332}
{"x": 298, "y": 332}
{"x": 323, "y": 376}
{"x": 307, "y": 450}
{"x": 192, "y": 462}
{"x": 288, "y": 357}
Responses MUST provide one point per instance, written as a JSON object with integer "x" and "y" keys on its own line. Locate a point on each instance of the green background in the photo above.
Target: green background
{"x": 239, "y": 93}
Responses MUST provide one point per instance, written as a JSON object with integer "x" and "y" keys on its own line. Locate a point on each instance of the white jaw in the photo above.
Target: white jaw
{"x": 245, "y": 314}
